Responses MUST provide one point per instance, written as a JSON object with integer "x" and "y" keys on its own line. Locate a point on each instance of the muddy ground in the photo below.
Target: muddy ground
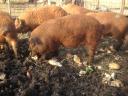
{"x": 26, "y": 77}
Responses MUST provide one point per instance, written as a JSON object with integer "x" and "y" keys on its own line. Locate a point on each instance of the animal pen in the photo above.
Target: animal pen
{"x": 15, "y": 7}
{"x": 66, "y": 74}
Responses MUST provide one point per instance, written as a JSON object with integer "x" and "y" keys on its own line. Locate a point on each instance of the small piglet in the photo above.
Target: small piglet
{"x": 70, "y": 31}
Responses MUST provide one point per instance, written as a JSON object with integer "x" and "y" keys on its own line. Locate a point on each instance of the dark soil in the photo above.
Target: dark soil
{"x": 26, "y": 77}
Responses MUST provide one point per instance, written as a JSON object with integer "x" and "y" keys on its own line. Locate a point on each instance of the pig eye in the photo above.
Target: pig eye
{"x": 32, "y": 42}
{"x": 35, "y": 41}
{"x": 38, "y": 41}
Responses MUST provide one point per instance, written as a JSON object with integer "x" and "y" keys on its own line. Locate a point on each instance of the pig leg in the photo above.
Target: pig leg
{"x": 91, "y": 41}
{"x": 118, "y": 44}
{"x": 91, "y": 47}
{"x": 91, "y": 53}
{"x": 14, "y": 47}
{"x": 13, "y": 44}
{"x": 125, "y": 43}
{"x": 119, "y": 41}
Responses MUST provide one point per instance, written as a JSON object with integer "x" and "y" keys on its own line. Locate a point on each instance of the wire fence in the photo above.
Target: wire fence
{"x": 15, "y": 7}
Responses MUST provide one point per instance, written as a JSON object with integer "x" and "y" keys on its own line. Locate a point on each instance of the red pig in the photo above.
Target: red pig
{"x": 7, "y": 31}
{"x": 116, "y": 25}
{"x": 70, "y": 31}
{"x": 32, "y": 18}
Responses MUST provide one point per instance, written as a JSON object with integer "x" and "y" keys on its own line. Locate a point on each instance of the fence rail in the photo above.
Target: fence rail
{"x": 15, "y": 7}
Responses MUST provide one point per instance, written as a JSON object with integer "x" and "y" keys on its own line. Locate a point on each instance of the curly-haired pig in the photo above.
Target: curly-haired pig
{"x": 69, "y": 31}
{"x": 31, "y": 18}
{"x": 116, "y": 25}
{"x": 7, "y": 31}
{"x": 75, "y": 9}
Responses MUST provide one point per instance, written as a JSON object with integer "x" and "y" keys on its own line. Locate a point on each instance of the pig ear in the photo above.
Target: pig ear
{"x": 19, "y": 22}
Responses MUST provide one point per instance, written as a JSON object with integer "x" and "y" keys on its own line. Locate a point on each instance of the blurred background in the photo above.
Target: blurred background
{"x": 15, "y": 7}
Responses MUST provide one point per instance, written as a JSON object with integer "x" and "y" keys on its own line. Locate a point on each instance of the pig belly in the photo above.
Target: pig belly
{"x": 72, "y": 42}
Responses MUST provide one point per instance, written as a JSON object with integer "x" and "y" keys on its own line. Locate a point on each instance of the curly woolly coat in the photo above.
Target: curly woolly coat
{"x": 116, "y": 25}
{"x": 75, "y": 9}
{"x": 31, "y": 18}
{"x": 69, "y": 31}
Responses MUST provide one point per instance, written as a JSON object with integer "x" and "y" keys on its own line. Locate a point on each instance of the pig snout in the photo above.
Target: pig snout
{"x": 34, "y": 46}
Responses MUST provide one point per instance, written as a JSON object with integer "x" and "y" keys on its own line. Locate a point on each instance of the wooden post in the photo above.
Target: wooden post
{"x": 98, "y": 4}
{"x": 49, "y": 2}
{"x": 35, "y": 2}
{"x": 58, "y": 2}
{"x": 9, "y": 7}
{"x": 122, "y": 6}
{"x": 73, "y": 1}
{"x": 84, "y": 3}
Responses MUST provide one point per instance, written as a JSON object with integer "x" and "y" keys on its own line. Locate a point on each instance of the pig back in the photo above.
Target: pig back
{"x": 36, "y": 16}
{"x": 73, "y": 25}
